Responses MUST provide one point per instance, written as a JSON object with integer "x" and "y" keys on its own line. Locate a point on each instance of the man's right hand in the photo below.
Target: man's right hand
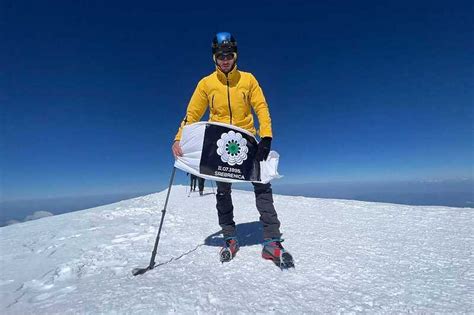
{"x": 176, "y": 149}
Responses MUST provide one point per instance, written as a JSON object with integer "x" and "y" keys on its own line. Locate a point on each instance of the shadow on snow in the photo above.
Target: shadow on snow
{"x": 248, "y": 234}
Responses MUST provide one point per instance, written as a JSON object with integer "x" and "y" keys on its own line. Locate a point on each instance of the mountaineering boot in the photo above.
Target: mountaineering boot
{"x": 229, "y": 250}
{"x": 274, "y": 251}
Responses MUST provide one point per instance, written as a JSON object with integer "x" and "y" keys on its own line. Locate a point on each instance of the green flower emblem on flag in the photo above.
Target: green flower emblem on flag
{"x": 232, "y": 148}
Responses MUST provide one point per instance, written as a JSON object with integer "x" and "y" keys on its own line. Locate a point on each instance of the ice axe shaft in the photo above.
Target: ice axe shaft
{"x": 139, "y": 271}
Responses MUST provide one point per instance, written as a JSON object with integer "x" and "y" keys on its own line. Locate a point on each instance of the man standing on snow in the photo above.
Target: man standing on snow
{"x": 193, "y": 182}
{"x": 201, "y": 186}
{"x": 231, "y": 95}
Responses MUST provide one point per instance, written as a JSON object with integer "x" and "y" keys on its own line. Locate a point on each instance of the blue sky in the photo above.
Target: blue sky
{"x": 358, "y": 91}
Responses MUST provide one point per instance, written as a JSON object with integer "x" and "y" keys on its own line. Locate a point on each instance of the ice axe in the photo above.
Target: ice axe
{"x": 140, "y": 271}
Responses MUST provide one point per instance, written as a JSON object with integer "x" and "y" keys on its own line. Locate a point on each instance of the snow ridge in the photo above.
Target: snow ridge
{"x": 350, "y": 256}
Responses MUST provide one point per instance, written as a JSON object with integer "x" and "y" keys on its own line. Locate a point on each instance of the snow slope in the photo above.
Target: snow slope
{"x": 350, "y": 256}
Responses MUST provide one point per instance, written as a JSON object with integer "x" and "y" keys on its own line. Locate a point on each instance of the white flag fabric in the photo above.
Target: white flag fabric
{"x": 224, "y": 153}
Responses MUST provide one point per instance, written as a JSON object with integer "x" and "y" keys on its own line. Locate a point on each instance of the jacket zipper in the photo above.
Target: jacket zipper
{"x": 228, "y": 99}
{"x": 212, "y": 105}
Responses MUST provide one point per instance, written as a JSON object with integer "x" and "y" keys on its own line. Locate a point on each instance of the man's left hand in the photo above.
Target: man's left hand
{"x": 263, "y": 150}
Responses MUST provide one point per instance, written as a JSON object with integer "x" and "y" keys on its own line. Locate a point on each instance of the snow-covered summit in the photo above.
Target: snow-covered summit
{"x": 349, "y": 256}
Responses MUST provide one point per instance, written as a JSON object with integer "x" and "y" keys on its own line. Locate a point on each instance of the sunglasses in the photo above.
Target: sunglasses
{"x": 225, "y": 57}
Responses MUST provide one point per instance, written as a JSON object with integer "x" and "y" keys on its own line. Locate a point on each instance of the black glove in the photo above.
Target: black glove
{"x": 263, "y": 149}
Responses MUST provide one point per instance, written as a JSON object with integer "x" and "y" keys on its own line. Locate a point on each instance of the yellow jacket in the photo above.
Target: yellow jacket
{"x": 230, "y": 99}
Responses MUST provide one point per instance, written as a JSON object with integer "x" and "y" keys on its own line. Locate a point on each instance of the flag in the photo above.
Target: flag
{"x": 224, "y": 153}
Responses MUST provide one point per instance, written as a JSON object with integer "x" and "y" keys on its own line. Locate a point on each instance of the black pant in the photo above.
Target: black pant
{"x": 193, "y": 182}
{"x": 264, "y": 201}
{"x": 201, "y": 184}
